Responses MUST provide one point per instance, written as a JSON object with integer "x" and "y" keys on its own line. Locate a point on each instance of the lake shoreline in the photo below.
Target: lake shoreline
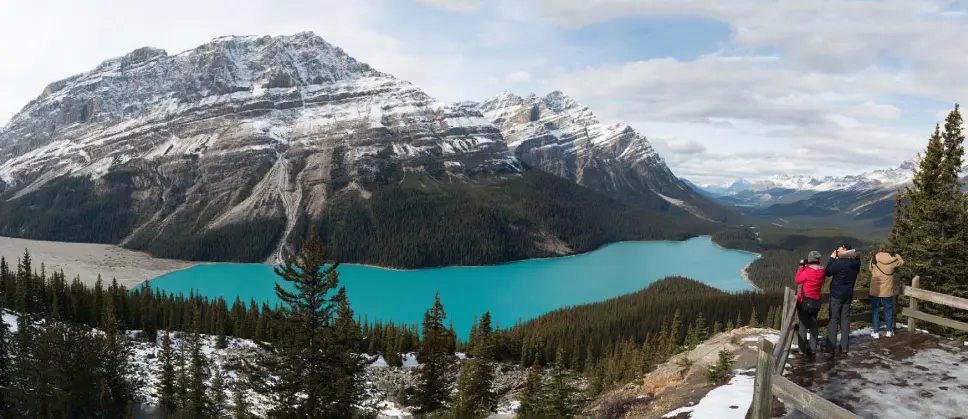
{"x": 134, "y": 268}
{"x": 745, "y": 271}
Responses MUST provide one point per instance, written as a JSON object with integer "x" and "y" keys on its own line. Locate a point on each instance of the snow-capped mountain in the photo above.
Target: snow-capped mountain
{"x": 267, "y": 133}
{"x": 563, "y": 137}
{"x": 877, "y": 179}
{"x": 241, "y": 128}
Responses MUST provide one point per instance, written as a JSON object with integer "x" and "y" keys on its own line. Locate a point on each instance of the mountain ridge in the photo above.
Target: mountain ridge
{"x": 258, "y": 137}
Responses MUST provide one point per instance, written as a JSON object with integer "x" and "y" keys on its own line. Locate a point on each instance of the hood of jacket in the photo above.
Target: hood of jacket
{"x": 850, "y": 254}
{"x": 884, "y": 258}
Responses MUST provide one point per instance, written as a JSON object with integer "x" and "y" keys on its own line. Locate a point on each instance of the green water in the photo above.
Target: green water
{"x": 519, "y": 290}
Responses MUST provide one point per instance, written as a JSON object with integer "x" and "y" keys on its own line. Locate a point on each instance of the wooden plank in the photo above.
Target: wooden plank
{"x": 803, "y": 400}
{"x": 762, "y": 405}
{"x": 941, "y": 321}
{"x": 936, "y": 297}
{"x": 786, "y": 326}
{"x": 786, "y": 338}
{"x": 859, "y": 294}
{"x": 913, "y": 304}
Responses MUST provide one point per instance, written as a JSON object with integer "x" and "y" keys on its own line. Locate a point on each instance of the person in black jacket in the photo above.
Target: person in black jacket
{"x": 842, "y": 268}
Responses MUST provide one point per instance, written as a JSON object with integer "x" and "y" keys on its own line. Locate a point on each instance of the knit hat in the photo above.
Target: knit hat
{"x": 813, "y": 256}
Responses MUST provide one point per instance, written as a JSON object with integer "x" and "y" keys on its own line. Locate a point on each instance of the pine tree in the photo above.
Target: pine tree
{"x": 434, "y": 376}
{"x": 6, "y": 354}
{"x": 219, "y": 402}
{"x": 672, "y": 344}
{"x": 475, "y": 398}
{"x": 115, "y": 367}
{"x": 196, "y": 400}
{"x": 182, "y": 376}
{"x": 645, "y": 358}
{"x": 931, "y": 217}
{"x": 27, "y": 380}
{"x": 240, "y": 405}
{"x": 692, "y": 337}
{"x": 729, "y": 325}
{"x": 167, "y": 399}
{"x": 562, "y": 401}
{"x": 720, "y": 373}
{"x": 754, "y": 322}
{"x": 717, "y": 328}
{"x": 702, "y": 328}
{"x": 532, "y": 396}
{"x": 305, "y": 341}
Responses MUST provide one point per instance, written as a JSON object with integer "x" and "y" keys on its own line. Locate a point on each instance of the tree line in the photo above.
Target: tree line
{"x": 313, "y": 344}
{"x": 930, "y": 227}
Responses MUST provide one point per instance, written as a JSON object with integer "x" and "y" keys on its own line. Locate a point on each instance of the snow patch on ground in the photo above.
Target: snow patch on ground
{"x": 11, "y": 320}
{"x": 725, "y": 402}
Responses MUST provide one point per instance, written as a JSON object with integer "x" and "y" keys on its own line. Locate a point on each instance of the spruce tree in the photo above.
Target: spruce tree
{"x": 562, "y": 401}
{"x": 182, "y": 376}
{"x": 306, "y": 354}
{"x": 115, "y": 367}
{"x": 240, "y": 405}
{"x": 645, "y": 357}
{"x": 532, "y": 396}
{"x": 435, "y": 377}
{"x": 717, "y": 328}
{"x": 754, "y": 322}
{"x": 720, "y": 373}
{"x": 167, "y": 399}
{"x": 6, "y": 355}
{"x": 27, "y": 381}
{"x": 675, "y": 331}
{"x": 692, "y": 337}
{"x": 475, "y": 398}
{"x": 196, "y": 399}
{"x": 219, "y": 402}
{"x": 931, "y": 217}
{"x": 702, "y": 328}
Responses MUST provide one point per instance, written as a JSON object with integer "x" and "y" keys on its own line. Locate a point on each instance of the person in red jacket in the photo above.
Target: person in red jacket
{"x": 809, "y": 280}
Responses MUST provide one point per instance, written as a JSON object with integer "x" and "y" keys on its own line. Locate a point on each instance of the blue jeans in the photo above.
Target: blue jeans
{"x": 888, "y": 303}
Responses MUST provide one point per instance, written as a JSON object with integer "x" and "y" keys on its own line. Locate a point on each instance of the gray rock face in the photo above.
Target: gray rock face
{"x": 562, "y": 136}
{"x": 262, "y": 133}
{"x": 241, "y": 128}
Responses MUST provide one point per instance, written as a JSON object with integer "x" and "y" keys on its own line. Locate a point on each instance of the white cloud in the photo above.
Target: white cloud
{"x": 460, "y": 6}
{"x": 518, "y": 77}
{"x": 828, "y": 98}
{"x": 812, "y": 87}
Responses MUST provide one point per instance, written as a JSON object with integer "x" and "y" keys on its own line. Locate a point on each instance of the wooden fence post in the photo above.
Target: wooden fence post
{"x": 762, "y": 406}
{"x": 913, "y": 305}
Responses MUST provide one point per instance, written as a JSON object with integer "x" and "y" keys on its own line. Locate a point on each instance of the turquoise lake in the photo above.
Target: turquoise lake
{"x": 519, "y": 290}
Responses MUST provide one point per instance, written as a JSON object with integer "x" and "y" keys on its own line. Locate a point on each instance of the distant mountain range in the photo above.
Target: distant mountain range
{"x": 233, "y": 150}
{"x": 862, "y": 202}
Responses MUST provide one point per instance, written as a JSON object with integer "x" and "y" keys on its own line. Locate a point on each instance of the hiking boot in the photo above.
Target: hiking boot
{"x": 877, "y": 335}
{"x": 889, "y": 334}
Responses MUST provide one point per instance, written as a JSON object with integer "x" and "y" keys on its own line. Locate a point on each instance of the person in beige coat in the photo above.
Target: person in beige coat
{"x": 884, "y": 287}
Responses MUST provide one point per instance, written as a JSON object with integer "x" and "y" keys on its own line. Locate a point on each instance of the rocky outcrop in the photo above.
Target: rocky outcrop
{"x": 563, "y": 137}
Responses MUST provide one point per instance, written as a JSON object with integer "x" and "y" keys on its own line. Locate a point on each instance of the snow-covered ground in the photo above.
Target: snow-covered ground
{"x": 725, "y": 402}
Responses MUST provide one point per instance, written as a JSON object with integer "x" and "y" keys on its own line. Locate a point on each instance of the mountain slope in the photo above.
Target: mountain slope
{"x": 563, "y": 137}
{"x": 232, "y": 150}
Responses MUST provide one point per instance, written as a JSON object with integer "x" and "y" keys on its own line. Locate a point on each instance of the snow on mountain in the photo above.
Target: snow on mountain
{"x": 240, "y": 129}
{"x": 558, "y": 122}
{"x": 563, "y": 137}
{"x": 876, "y": 179}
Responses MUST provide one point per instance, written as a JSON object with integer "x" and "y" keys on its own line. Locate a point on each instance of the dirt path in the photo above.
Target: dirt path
{"x": 88, "y": 260}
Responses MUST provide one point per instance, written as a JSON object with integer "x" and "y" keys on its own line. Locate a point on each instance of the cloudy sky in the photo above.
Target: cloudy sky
{"x": 723, "y": 89}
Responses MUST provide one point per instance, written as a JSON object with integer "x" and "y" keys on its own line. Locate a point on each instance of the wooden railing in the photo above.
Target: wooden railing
{"x": 771, "y": 359}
